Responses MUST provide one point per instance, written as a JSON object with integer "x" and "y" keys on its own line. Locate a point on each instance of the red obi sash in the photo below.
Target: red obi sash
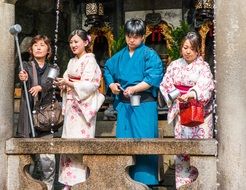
{"x": 183, "y": 89}
{"x": 73, "y": 78}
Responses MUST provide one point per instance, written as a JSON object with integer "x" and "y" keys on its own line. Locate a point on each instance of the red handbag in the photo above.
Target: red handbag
{"x": 191, "y": 113}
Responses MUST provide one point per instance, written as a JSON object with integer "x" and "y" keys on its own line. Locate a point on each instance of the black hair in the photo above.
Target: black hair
{"x": 135, "y": 27}
{"x": 83, "y": 35}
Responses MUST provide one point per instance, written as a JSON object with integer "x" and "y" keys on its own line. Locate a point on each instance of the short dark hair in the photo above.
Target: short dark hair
{"x": 37, "y": 38}
{"x": 135, "y": 27}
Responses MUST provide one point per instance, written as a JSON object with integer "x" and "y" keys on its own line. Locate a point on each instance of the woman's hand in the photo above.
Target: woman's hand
{"x": 64, "y": 84}
{"x": 62, "y": 87}
{"x": 187, "y": 96}
{"x": 61, "y": 82}
{"x": 115, "y": 88}
{"x": 23, "y": 76}
{"x": 35, "y": 90}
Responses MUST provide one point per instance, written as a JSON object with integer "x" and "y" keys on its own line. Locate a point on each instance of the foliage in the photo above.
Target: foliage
{"x": 177, "y": 35}
{"x": 120, "y": 42}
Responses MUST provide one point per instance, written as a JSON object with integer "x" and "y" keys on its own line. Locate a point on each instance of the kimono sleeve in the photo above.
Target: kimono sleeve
{"x": 205, "y": 84}
{"x": 167, "y": 84}
{"x": 153, "y": 68}
{"x": 90, "y": 79}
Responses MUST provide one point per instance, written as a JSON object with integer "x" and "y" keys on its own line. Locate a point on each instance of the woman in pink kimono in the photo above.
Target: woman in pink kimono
{"x": 81, "y": 101}
{"x": 188, "y": 77}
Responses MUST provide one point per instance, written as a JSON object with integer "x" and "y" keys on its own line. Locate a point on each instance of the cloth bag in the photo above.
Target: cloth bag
{"x": 46, "y": 117}
{"x": 191, "y": 113}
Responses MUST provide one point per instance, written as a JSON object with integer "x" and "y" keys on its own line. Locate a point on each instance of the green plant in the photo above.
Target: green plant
{"x": 120, "y": 42}
{"x": 177, "y": 35}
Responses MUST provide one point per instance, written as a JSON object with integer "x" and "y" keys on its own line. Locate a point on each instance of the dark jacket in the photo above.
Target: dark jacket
{"x": 44, "y": 97}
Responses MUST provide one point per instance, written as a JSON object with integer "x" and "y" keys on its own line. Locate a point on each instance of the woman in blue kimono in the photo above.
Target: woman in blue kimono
{"x": 136, "y": 69}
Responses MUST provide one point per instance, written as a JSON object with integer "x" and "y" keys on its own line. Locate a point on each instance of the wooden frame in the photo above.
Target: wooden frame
{"x": 106, "y": 31}
{"x": 203, "y": 30}
{"x": 165, "y": 29}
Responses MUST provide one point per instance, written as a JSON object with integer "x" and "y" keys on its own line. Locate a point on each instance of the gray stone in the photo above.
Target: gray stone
{"x": 109, "y": 158}
{"x": 112, "y": 146}
{"x": 231, "y": 93}
{"x": 6, "y": 83}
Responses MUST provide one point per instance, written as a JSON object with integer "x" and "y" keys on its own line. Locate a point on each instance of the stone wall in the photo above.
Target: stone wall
{"x": 231, "y": 93}
{"x": 6, "y": 83}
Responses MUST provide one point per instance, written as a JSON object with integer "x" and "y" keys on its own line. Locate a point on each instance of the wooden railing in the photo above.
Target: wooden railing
{"x": 107, "y": 160}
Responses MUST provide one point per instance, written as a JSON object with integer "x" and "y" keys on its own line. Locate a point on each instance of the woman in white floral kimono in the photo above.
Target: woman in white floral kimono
{"x": 81, "y": 101}
{"x": 190, "y": 77}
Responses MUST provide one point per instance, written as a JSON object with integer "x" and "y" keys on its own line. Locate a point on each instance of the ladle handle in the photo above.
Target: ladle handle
{"x": 124, "y": 90}
{"x": 121, "y": 88}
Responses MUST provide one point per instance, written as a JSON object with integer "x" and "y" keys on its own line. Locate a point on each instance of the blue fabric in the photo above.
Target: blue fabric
{"x": 146, "y": 170}
{"x": 137, "y": 121}
{"x": 144, "y": 65}
{"x": 140, "y": 121}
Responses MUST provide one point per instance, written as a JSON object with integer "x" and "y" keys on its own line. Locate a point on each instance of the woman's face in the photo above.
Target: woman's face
{"x": 77, "y": 45}
{"x": 40, "y": 49}
{"x": 188, "y": 53}
{"x": 133, "y": 41}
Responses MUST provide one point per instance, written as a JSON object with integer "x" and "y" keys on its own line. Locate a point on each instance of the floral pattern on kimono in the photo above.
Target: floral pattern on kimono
{"x": 80, "y": 106}
{"x": 197, "y": 75}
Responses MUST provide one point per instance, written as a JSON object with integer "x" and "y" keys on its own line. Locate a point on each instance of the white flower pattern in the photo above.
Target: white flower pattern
{"x": 197, "y": 75}
{"x": 80, "y": 106}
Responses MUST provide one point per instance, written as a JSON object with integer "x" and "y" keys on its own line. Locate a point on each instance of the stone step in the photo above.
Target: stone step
{"x": 105, "y": 129}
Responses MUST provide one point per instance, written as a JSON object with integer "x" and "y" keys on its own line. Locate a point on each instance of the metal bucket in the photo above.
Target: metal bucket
{"x": 173, "y": 94}
{"x": 135, "y": 100}
{"x": 53, "y": 73}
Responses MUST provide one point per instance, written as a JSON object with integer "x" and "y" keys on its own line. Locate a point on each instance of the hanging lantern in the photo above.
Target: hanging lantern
{"x": 94, "y": 12}
{"x": 204, "y": 10}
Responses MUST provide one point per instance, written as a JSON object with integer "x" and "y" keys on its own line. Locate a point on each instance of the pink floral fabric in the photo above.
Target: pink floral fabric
{"x": 198, "y": 75}
{"x": 80, "y": 106}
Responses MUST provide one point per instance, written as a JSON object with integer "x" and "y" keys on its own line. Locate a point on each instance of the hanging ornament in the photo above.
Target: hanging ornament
{"x": 204, "y": 11}
{"x": 94, "y": 12}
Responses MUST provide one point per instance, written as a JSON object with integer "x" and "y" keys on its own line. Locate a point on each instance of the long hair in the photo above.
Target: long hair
{"x": 37, "y": 38}
{"x": 83, "y": 35}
